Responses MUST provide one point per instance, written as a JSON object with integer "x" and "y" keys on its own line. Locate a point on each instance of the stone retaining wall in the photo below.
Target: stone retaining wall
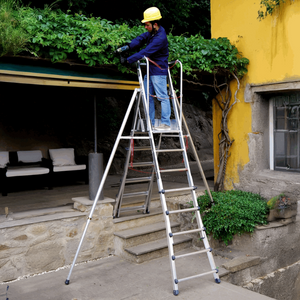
{"x": 49, "y": 244}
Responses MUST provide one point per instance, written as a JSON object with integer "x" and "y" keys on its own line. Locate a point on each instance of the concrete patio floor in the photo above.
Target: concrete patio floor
{"x": 113, "y": 278}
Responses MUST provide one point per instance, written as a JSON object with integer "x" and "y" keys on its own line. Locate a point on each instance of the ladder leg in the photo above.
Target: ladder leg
{"x": 102, "y": 182}
{"x": 119, "y": 197}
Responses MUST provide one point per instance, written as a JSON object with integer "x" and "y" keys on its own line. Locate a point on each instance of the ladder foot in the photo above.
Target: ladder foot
{"x": 176, "y": 292}
{"x": 218, "y": 280}
{"x": 67, "y": 282}
{"x": 148, "y": 211}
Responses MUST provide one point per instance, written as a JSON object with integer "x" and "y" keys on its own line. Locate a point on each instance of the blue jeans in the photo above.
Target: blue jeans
{"x": 158, "y": 84}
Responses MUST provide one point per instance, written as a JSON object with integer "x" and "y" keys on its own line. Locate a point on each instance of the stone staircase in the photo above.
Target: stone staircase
{"x": 141, "y": 237}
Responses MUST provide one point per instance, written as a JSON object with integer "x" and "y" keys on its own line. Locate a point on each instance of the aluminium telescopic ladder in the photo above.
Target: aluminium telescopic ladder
{"x": 142, "y": 130}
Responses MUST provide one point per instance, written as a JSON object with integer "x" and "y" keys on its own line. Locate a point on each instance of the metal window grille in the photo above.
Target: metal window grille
{"x": 286, "y": 132}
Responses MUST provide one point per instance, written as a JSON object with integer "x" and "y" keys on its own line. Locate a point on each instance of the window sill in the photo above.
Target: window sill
{"x": 292, "y": 177}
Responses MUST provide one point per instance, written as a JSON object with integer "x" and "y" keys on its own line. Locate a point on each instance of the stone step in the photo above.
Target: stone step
{"x": 136, "y": 201}
{"x": 156, "y": 249}
{"x": 133, "y": 219}
{"x": 138, "y": 235}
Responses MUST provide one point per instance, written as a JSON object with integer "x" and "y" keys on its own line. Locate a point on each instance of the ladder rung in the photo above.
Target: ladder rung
{"x": 178, "y": 190}
{"x": 169, "y": 150}
{"x": 196, "y": 276}
{"x": 140, "y": 179}
{"x": 133, "y": 208}
{"x": 186, "y": 135}
{"x": 173, "y": 170}
{"x": 182, "y": 210}
{"x": 140, "y": 148}
{"x": 141, "y": 164}
{"x": 135, "y": 137}
{"x": 188, "y": 231}
{"x": 136, "y": 194}
{"x": 192, "y": 253}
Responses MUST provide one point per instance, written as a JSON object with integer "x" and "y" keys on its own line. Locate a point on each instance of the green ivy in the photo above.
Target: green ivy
{"x": 270, "y": 6}
{"x": 59, "y": 36}
{"x": 234, "y": 212}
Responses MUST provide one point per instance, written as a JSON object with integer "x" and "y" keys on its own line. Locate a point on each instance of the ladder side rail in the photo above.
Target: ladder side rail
{"x": 148, "y": 197}
{"x": 159, "y": 182}
{"x": 204, "y": 240}
{"x": 179, "y": 117}
{"x": 190, "y": 179}
{"x": 181, "y": 138}
{"x": 196, "y": 154}
{"x": 119, "y": 197}
{"x": 194, "y": 197}
{"x": 152, "y": 176}
{"x": 101, "y": 185}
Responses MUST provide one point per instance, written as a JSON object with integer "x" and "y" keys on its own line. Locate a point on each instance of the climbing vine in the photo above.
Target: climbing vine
{"x": 270, "y": 6}
{"x": 63, "y": 37}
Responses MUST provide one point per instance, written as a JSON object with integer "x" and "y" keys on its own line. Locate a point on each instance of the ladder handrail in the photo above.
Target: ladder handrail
{"x": 172, "y": 89}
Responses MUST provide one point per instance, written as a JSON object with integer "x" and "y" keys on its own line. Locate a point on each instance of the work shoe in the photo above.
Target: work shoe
{"x": 162, "y": 127}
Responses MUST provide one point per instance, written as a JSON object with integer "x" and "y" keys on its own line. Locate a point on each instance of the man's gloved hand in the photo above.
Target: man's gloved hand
{"x": 122, "y": 49}
{"x": 123, "y": 60}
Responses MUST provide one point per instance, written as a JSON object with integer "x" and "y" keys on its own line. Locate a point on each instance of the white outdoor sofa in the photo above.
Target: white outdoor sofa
{"x": 64, "y": 160}
{"x": 22, "y": 163}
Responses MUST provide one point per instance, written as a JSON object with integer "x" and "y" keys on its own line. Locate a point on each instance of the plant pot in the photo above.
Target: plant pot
{"x": 282, "y": 213}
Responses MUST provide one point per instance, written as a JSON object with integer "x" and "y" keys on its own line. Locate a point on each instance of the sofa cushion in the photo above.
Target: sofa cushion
{"x": 30, "y": 156}
{"x": 4, "y": 159}
{"x": 15, "y": 172}
{"x": 68, "y": 168}
{"x": 62, "y": 156}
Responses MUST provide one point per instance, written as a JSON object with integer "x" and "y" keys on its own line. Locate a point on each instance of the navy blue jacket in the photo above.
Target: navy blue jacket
{"x": 156, "y": 49}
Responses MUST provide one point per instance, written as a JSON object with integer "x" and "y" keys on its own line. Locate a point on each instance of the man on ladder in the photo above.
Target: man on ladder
{"x": 157, "y": 52}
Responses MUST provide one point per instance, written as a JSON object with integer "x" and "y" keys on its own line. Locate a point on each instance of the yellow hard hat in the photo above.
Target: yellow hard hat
{"x": 151, "y": 14}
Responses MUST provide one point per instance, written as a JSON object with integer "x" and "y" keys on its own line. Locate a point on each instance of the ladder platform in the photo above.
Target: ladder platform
{"x": 166, "y": 131}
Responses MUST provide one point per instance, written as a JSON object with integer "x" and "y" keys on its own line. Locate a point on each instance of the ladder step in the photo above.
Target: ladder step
{"x": 140, "y": 148}
{"x": 169, "y": 150}
{"x": 178, "y": 190}
{"x": 136, "y": 194}
{"x": 135, "y": 180}
{"x": 182, "y": 210}
{"x": 135, "y": 137}
{"x": 173, "y": 170}
{"x": 172, "y": 135}
{"x": 187, "y": 231}
{"x": 192, "y": 253}
{"x": 141, "y": 164}
{"x": 196, "y": 276}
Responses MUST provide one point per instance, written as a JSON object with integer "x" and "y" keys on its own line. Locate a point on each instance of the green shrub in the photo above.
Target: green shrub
{"x": 59, "y": 36}
{"x": 234, "y": 212}
{"x": 13, "y": 37}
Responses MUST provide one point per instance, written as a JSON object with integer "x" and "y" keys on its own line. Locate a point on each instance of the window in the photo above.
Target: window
{"x": 284, "y": 138}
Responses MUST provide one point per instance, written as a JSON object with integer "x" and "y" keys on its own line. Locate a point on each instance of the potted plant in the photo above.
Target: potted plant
{"x": 281, "y": 207}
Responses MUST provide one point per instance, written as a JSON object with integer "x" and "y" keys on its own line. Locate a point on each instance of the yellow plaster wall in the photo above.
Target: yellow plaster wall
{"x": 273, "y": 48}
